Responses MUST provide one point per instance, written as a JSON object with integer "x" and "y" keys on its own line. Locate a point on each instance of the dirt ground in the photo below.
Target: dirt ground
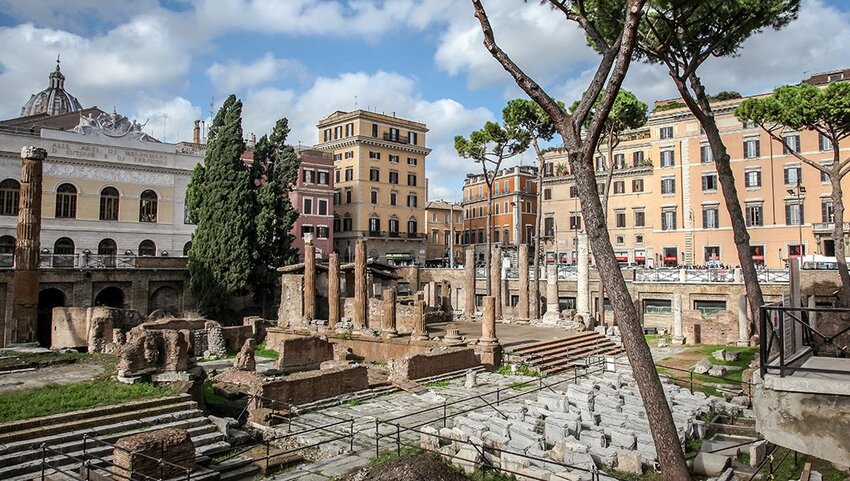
{"x": 408, "y": 468}
{"x": 67, "y": 374}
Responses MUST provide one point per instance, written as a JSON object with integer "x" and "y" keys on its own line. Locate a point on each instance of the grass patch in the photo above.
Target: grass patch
{"x": 652, "y": 339}
{"x": 519, "y": 386}
{"x": 442, "y": 383}
{"x": 57, "y": 399}
{"x": 786, "y": 470}
{"x": 391, "y": 455}
{"x": 263, "y": 351}
{"x": 744, "y": 458}
{"x": 745, "y": 354}
{"x": 353, "y": 402}
{"x": 42, "y": 359}
{"x": 212, "y": 398}
{"x": 521, "y": 370}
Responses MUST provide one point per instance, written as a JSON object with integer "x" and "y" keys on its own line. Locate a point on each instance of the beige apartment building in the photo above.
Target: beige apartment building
{"x": 666, "y": 206}
{"x": 380, "y": 184}
{"x": 444, "y": 228}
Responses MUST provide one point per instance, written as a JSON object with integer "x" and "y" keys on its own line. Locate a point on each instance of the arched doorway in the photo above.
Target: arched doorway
{"x": 63, "y": 252}
{"x": 107, "y": 249}
{"x": 110, "y": 297}
{"x": 47, "y": 300}
{"x": 166, "y": 298}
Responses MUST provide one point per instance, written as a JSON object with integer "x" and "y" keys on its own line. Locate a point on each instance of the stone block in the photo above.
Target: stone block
{"x": 719, "y": 354}
{"x": 712, "y": 465}
{"x": 621, "y": 438}
{"x": 428, "y": 438}
{"x": 513, "y": 462}
{"x": 592, "y": 439}
{"x": 171, "y": 444}
{"x": 629, "y": 462}
{"x": 493, "y": 440}
{"x": 471, "y": 427}
{"x": 499, "y": 426}
{"x": 553, "y": 401}
{"x": 564, "y": 446}
{"x": 557, "y": 429}
{"x": 471, "y": 380}
{"x": 532, "y": 474}
{"x": 589, "y": 419}
{"x": 757, "y": 450}
{"x": 702, "y": 366}
{"x": 612, "y": 419}
{"x": 729, "y": 474}
{"x": 604, "y": 456}
{"x": 522, "y": 439}
{"x": 717, "y": 371}
{"x": 723, "y": 447}
{"x": 469, "y": 459}
{"x": 513, "y": 411}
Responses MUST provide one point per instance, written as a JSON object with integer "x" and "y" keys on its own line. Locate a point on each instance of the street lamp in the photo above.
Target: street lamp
{"x": 798, "y": 191}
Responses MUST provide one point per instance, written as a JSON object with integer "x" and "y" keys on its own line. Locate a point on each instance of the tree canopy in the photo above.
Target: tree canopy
{"x": 491, "y": 143}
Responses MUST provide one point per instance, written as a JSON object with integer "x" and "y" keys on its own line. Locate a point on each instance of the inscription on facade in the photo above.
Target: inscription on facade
{"x": 115, "y": 154}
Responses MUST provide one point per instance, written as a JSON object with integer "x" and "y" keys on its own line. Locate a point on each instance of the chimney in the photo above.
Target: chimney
{"x": 196, "y": 133}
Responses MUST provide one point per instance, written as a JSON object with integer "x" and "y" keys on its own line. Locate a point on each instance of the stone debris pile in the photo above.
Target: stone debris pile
{"x": 598, "y": 422}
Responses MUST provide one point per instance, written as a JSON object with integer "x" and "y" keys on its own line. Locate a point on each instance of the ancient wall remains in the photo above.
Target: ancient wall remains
{"x": 302, "y": 353}
{"x": 722, "y": 329}
{"x": 138, "y": 455}
{"x": 432, "y": 363}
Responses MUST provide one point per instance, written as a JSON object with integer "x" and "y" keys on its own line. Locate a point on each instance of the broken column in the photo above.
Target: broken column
{"x": 25, "y": 307}
{"x": 488, "y": 321}
{"x": 431, "y": 294}
{"x": 419, "y": 332}
{"x": 446, "y": 303}
{"x": 678, "y": 329}
{"x": 245, "y": 360}
{"x": 552, "y": 315}
{"x": 389, "y": 314}
{"x": 496, "y": 278}
{"x": 309, "y": 279}
{"x": 743, "y": 322}
{"x": 583, "y": 282}
{"x": 333, "y": 290}
{"x": 522, "y": 306}
{"x": 360, "y": 290}
{"x": 469, "y": 283}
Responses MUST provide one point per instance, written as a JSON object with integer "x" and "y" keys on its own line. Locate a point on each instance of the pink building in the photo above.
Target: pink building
{"x": 312, "y": 196}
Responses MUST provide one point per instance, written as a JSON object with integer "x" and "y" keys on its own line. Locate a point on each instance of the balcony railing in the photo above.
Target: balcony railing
{"x": 828, "y": 227}
{"x": 96, "y": 261}
{"x": 728, "y": 276}
{"x": 401, "y": 139}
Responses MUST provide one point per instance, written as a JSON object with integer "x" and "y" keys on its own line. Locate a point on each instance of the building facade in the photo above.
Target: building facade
{"x": 312, "y": 196}
{"x": 444, "y": 228}
{"x": 666, "y": 206}
{"x": 379, "y": 178}
{"x": 514, "y": 208}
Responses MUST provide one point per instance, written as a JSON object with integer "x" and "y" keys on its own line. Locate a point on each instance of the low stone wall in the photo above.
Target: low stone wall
{"x": 235, "y": 337}
{"x": 70, "y": 328}
{"x": 138, "y": 455}
{"x": 305, "y": 387}
{"x": 303, "y": 352}
{"x": 370, "y": 349}
{"x": 722, "y": 329}
{"x": 177, "y": 324}
{"x": 92, "y": 327}
{"x": 432, "y": 363}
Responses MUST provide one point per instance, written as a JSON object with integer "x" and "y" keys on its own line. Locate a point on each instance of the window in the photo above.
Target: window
{"x": 620, "y": 240}
{"x": 374, "y": 225}
{"x": 322, "y": 232}
{"x": 547, "y": 194}
{"x": 668, "y": 219}
{"x": 346, "y": 223}
{"x": 10, "y": 195}
{"x": 349, "y": 173}
{"x": 337, "y": 226}
{"x": 107, "y": 247}
{"x": 109, "y": 199}
{"x": 393, "y": 177}
{"x": 349, "y": 129}
{"x": 63, "y": 252}
{"x": 374, "y": 155}
{"x": 148, "y": 202}
{"x": 309, "y": 176}
{"x": 323, "y": 207}
{"x": 393, "y": 159}
{"x": 794, "y": 214}
{"x": 573, "y": 192}
{"x": 349, "y": 154}
{"x": 575, "y": 221}
{"x": 306, "y": 229}
{"x": 639, "y": 239}
{"x": 637, "y": 185}
{"x": 824, "y": 143}
{"x": 496, "y": 235}
{"x": 374, "y": 175}
{"x": 147, "y": 248}
{"x": 506, "y": 185}
{"x": 326, "y": 135}
{"x": 600, "y": 188}
{"x": 637, "y": 158}
{"x": 796, "y": 250}
{"x": 393, "y": 198}
{"x": 414, "y": 137}
{"x": 600, "y": 164}
{"x": 711, "y": 253}
{"x": 308, "y": 206}
{"x": 411, "y": 161}
{"x": 66, "y": 202}
{"x": 338, "y": 157}
{"x": 753, "y": 215}
{"x": 709, "y": 182}
{"x": 752, "y": 178}
{"x": 496, "y": 207}
{"x": 411, "y": 227}
{"x": 347, "y": 196}
{"x": 374, "y": 130}
{"x": 373, "y": 196}
{"x": 793, "y": 175}
{"x": 668, "y": 158}
{"x": 619, "y": 161}
{"x": 668, "y": 186}
{"x": 548, "y": 169}
{"x": 824, "y": 177}
{"x": 665, "y": 132}
{"x": 337, "y": 132}
{"x": 640, "y": 218}
{"x": 751, "y": 148}
{"x": 827, "y": 211}
{"x": 705, "y": 154}
{"x": 620, "y": 218}
{"x": 619, "y": 187}
{"x": 792, "y": 144}
{"x": 411, "y": 200}
{"x": 411, "y": 179}
{"x": 323, "y": 177}
{"x": 549, "y": 227}
{"x": 336, "y": 176}
{"x": 709, "y": 217}
{"x": 709, "y": 308}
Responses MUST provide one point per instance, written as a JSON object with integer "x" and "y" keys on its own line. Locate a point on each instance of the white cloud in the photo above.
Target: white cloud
{"x": 169, "y": 120}
{"x": 233, "y": 75}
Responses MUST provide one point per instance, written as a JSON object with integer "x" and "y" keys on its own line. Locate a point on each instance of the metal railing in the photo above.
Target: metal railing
{"x": 707, "y": 275}
{"x": 788, "y": 333}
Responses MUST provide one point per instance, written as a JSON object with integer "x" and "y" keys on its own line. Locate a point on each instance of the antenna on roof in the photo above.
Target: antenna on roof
{"x": 355, "y": 102}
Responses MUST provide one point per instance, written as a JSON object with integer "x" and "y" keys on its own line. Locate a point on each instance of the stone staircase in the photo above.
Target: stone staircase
{"x": 75, "y": 435}
{"x": 557, "y": 355}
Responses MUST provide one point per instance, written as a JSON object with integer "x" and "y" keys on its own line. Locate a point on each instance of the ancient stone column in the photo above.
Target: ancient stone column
{"x": 743, "y": 323}
{"x": 431, "y": 294}
{"x": 469, "y": 283}
{"x": 389, "y": 313}
{"x": 25, "y": 307}
{"x": 309, "y": 280}
{"x": 419, "y": 331}
{"x": 446, "y": 302}
{"x": 678, "y": 328}
{"x": 496, "y": 278}
{"x": 488, "y": 321}
{"x": 522, "y": 306}
{"x": 583, "y": 282}
{"x": 333, "y": 290}
{"x": 361, "y": 299}
{"x": 553, "y": 314}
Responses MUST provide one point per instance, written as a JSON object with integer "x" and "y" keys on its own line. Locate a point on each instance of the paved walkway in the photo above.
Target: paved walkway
{"x": 508, "y": 334}
{"x": 66, "y": 374}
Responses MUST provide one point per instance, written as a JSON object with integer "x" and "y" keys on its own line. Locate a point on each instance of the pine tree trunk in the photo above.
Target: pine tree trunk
{"x": 838, "y": 237}
{"x": 534, "y": 281}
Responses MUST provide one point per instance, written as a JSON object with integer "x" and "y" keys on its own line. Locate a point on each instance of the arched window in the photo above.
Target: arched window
{"x": 411, "y": 227}
{"x": 63, "y": 252}
{"x": 107, "y": 250}
{"x": 7, "y": 251}
{"x": 147, "y": 248}
{"x": 10, "y": 195}
{"x": 147, "y": 206}
{"x": 109, "y": 198}
{"x": 186, "y": 248}
{"x": 66, "y": 202}
{"x": 393, "y": 226}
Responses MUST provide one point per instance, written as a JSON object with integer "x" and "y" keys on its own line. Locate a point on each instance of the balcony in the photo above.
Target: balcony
{"x": 400, "y": 139}
{"x": 828, "y": 227}
{"x": 94, "y": 261}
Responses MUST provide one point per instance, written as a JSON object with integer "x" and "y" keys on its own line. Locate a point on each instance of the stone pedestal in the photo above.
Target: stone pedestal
{"x": 360, "y": 289}
{"x": 496, "y": 278}
{"x": 419, "y": 331}
{"x": 469, "y": 283}
{"x": 678, "y": 328}
{"x": 389, "y": 314}
{"x": 309, "y": 280}
{"x": 27, "y": 247}
{"x": 583, "y": 282}
{"x": 743, "y": 322}
{"x": 333, "y": 290}
{"x": 553, "y": 314}
{"x": 522, "y": 306}
{"x": 453, "y": 338}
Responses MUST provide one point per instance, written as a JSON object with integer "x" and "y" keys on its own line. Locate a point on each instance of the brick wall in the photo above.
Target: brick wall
{"x": 139, "y": 454}
{"x": 722, "y": 329}
{"x": 305, "y": 387}
{"x": 303, "y": 352}
{"x": 432, "y": 363}
{"x": 370, "y": 349}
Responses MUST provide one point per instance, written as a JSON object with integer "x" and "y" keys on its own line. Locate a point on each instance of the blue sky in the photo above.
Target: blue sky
{"x": 165, "y": 61}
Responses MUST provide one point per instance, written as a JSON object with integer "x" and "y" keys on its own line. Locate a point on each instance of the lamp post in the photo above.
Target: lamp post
{"x": 798, "y": 191}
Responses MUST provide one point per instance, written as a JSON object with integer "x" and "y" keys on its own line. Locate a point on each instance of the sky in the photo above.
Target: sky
{"x": 168, "y": 61}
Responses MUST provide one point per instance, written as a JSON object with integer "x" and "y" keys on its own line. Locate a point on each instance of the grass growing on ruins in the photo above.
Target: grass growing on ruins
{"x": 652, "y": 339}
{"x": 57, "y": 399}
{"x": 391, "y": 455}
{"x": 443, "y": 383}
{"x": 519, "y": 386}
{"x": 263, "y": 351}
{"x": 787, "y": 470}
{"x": 521, "y": 370}
{"x": 43, "y": 359}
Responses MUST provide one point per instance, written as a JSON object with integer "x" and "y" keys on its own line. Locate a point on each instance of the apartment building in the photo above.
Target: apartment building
{"x": 666, "y": 206}
{"x": 444, "y": 227}
{"x": 380, "y": 184}
{"x": 312, "y": 196}
{"x": 514, "y": 207}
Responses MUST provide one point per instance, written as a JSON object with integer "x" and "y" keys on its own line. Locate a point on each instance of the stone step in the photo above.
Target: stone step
{"x": 97, "y": 412}
{"x": 529, "y": 347}
{"x": 248, "y": 471}
{"x": 36, "y": 429}
{"x": 557, "y": 348}
{"x": 204, "y": 443}
{"x": 572, "y": 354}
{"x": 578, "y": 362}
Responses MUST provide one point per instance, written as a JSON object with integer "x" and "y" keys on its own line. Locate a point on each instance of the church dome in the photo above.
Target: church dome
{"x": 54, "y": 100}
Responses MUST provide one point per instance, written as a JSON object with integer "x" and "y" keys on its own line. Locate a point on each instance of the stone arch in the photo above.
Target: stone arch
{"x": 166, "y": 298}
{"x": 111, "y": 296}
{"x": 47, "y": 300}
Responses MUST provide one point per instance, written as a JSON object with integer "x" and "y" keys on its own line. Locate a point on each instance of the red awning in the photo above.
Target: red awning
{"x": 671, "y": 258}
{"x": 758, "y": 258}
{"x": 640, "y": 258}
{"x": 622, "y": 258}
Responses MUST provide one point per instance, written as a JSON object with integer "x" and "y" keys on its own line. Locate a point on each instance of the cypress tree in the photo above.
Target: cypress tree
{"x": 220, "y": 196}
